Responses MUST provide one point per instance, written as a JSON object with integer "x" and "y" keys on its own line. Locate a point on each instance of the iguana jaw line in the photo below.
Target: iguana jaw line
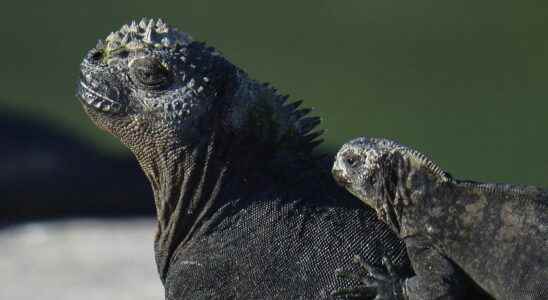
{"x": 96, "y": 100}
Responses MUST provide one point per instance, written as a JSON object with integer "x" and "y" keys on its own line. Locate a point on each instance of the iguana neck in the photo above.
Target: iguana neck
{"x": 192, "y": 182}
{"x": 408, "y": 180}
{"x": 189, "y": 186}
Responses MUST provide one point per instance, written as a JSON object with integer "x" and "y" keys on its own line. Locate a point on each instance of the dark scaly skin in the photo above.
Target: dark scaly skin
{"x": 245, "y": 209}
{"x": 495, "y": 235}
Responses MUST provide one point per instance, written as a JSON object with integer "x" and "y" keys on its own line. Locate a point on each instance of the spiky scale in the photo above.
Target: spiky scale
{"x": 100, "y": 44}
{"x": 113, "y": 45}
{"x": 149, "y": 31}
{"x": 161, "y": 26}
{"x": 126, "y": 39}
{"x": 280, "y": 99}
{"x": 112, "y": 37}
{"x": 294, "y": 105}
{"x": 314, "y": 144}
{"x": 133, "y": 27}
{"x": 143, "y": 23}
{"x": 302, "y": 112}
{"x": 309, "y": 123}
{"x": 313, "y": 135}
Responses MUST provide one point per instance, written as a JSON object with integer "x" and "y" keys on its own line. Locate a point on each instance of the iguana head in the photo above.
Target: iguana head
{"x": 161, "y": 93}
{"x": 358, "y": 165}
{"x": 384, "y": 174}
{"x": 148, "y": 80}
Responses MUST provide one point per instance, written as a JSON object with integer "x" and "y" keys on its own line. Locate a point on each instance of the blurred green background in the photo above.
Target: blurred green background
{"x": 465, "y": 81}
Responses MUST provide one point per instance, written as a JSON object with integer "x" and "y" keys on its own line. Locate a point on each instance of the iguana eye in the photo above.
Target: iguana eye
{"x": 351, "y": 160}
{"x": 149, "y": 73}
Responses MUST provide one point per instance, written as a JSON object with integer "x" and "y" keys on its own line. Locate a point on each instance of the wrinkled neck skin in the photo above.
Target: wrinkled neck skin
{"x": 406, "y": 184}
{"x": 187, "y": 183}
{"x": 192, "y": 180}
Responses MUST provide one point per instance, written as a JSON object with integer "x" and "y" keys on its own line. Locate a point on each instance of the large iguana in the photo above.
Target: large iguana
{"x": 494, "y": 234}
{"x": 245, "y": 208}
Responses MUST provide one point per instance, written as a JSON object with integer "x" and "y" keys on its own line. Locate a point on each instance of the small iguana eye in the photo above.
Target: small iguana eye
{"x": 351, "y": 160}
{"x": 149, "y": 73}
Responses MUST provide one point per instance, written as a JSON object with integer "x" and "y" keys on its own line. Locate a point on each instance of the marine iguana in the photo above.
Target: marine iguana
{"x": 245, "y": 207}
{"x": 494, "y": 234}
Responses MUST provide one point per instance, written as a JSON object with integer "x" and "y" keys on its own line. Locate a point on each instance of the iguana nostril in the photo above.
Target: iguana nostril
{"x": 97, "y": 55}
{"x": 339, "y": 177}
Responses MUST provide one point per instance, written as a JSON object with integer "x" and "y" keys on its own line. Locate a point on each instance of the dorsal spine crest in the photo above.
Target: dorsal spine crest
{"x": 506, "y": 189}
{"x": 430, "y": 164}
{"x": 417, "y": 156}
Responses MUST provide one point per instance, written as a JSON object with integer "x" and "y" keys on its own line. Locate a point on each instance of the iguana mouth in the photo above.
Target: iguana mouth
{"x": 94, "y": 99}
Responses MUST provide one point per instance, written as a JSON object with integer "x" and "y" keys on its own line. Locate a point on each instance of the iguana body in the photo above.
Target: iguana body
{"x": 245, "y": 210}
{"x": 494, "y": 234}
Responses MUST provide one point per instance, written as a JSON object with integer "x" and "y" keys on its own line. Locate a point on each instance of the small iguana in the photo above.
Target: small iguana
{"x": 494, "y": 234}
{"x": 245, "y": 208}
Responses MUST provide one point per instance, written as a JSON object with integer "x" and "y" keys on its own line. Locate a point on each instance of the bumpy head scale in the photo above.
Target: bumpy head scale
{"x": 146, "y": 33}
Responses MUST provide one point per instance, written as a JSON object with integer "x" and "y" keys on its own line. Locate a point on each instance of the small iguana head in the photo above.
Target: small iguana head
{"x": 384, "y": 174}
{"x": 359, "y": 166}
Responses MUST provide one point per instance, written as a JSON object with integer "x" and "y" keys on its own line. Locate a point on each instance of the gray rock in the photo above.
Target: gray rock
{"x": 79, "y": 259}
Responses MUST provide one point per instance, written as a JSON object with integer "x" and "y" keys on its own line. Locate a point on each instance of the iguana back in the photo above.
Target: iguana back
{"x": 497, "y": 233}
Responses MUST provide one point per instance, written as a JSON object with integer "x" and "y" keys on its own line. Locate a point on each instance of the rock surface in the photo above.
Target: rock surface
{"x": 79, "y": 259}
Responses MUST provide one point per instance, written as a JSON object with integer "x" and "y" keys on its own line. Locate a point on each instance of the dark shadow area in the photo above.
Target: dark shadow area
{"x": 46, "y": 173}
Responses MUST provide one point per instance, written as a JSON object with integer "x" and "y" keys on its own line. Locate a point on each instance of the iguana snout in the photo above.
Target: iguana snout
{"x": 99, "y": 93}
